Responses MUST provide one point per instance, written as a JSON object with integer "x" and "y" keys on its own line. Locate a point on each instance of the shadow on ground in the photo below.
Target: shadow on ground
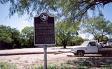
{"x": 92, "y": 63}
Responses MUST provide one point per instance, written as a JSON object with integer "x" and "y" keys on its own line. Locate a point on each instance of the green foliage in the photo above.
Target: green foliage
{"x": 53, "y": 66}
{"x": 29, "y": 6}
{"x": 12, "y": 38}
{"x": 91, "y": 63}
{"x": 98, "y": 26}
{"x": 5, "y": 35}
{"x": 9, "y": 37}
{"x": 27, "y": 37}
{"x": 4, "y": 65}
{"x": 65, "y": 66}
{"x": 75, "y": 9}
{"x": 65, "y": 31}
{"x": 107, "y": 66}
{"x": 76, "y": 41}
{"x": 103, "y": 39}
{"x": 79, "y": 63}
{"x": 16, "y": 38}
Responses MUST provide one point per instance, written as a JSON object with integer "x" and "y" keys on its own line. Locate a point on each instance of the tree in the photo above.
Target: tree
{"x": 27, "y": 37}
{"x": 110, "y": 30}
{"x": 76, "y": 9}
{"x": 65, "y": 31}
{"x": 76, "y": 40}
{"x": 98, "y": 26}
{"x": 29, "y": 6}
{"x": 100, "y": 38}
{"x": 5, "y": 37}
{"x": 8, "y": 37}
{"x": 15, "y": 35}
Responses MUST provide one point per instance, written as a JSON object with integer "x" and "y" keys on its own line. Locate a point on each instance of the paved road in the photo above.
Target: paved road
{"x": 34, "y": 51}
{"x": 50, "y": 50}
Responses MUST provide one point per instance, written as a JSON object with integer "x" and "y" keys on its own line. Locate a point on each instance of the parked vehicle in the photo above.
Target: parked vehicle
{"x": 91, "y": 47}
{"x": 109, "y": 42}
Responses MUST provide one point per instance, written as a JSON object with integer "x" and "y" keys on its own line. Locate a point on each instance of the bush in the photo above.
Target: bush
{"x": 4, "y": 65}
{"x": 76, "y": 41}
{"x": 81, "y": 63}
{"x": 52, "y": 66}
{"x": 91, "y": 63}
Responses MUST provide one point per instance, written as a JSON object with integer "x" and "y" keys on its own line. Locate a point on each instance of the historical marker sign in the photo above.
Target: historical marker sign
{"x": 44, "y": 30}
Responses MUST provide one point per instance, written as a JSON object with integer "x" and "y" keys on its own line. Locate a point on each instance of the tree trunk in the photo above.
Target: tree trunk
{"x": 64, "y": 44}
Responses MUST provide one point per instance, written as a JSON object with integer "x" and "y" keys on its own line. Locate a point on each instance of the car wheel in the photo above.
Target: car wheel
{"x": 80, "y": 53}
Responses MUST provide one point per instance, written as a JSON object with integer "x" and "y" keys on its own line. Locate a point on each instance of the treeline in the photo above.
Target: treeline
{"x": 67, "y": 33}
{"x": 13, "y": 38}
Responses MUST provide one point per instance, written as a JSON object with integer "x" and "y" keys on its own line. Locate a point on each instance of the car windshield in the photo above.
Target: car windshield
{"x": 92, "y": 43}
{"x": 85, "y": 43}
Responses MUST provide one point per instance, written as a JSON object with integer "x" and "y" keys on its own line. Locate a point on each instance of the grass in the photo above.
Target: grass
{"x": 5, "y": 65}
{"x": 81, "y": 63}
{"x": 52, "y": 66}
{"x": 91, "y": 63}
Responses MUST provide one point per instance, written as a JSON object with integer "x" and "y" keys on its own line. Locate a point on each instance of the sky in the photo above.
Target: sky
{"x": 19, "y": 22}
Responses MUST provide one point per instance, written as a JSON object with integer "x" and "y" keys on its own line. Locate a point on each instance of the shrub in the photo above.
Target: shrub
{"x": 75, "y": 41}
{"x": 91, "y": 63}
{"x": 4, "y": 65}
{"x": 52, "y": 66}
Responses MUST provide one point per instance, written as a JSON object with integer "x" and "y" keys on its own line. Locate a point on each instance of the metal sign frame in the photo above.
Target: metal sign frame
{"x": 35, "y": 33}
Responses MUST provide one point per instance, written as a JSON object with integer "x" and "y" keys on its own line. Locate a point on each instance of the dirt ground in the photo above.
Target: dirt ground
{"x": 23, "y": 61}
{"x": 26, "y": 60}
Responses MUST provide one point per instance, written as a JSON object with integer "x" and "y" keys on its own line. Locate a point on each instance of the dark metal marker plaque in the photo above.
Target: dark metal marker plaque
{"x": 44, "y": 30}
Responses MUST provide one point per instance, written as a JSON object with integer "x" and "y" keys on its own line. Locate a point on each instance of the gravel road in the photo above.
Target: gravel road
{"x": 32, "y": 56}
{"x": 23, "y": 61}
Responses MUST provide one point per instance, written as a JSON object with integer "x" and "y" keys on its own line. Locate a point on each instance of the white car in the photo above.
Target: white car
{"x": 86, "y": 47}
{"x": 91, "y": 47}
{"x": 109, "y": 42}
